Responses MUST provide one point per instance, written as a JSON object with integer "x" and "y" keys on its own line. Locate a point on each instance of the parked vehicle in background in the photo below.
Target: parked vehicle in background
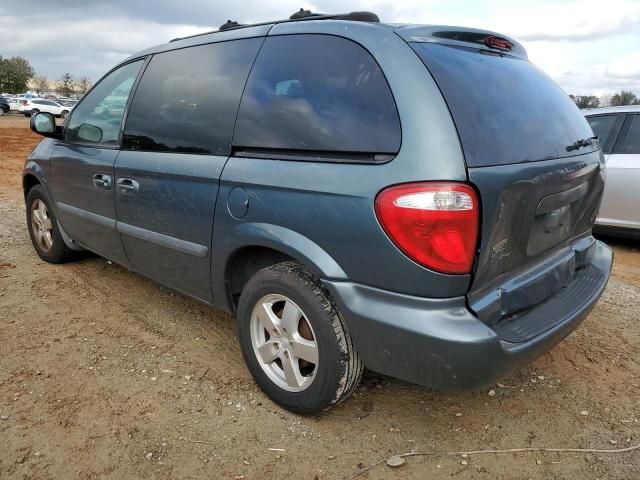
{"x": 4, "y": 106}
{"x": 619, "y": 131}
{"x": 14, "y": 104}
{"x": 33, "y": 106}
{"x": 417, "y": 200}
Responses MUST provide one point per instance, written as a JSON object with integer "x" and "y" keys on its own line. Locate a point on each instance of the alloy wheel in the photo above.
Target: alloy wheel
{"x": 284, "y": 343}
{"x": 41, "y": 225}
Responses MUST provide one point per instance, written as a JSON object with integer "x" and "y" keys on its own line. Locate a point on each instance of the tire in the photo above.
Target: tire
{"x": 64, "y": 114}
{"x": 284, "y": 287}
{"x": 34, "y": 111}
{"x": 2, "y": 112}
{"x": 49, "y": 245}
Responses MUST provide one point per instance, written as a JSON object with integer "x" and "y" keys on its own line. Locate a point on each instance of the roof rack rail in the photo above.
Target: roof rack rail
{"x": 229, "y": 24}
{"x": 299, "y": 16}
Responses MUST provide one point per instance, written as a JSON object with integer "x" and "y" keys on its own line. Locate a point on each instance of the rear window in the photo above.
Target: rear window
{"x": 505, "y": 109}
{"x": 317, "y": 93}
{"x": 606, "y": 128}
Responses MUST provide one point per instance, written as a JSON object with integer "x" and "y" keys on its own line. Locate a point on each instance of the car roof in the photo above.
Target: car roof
{"x": 620, "y": 109}
{"x": 445, "y": 34}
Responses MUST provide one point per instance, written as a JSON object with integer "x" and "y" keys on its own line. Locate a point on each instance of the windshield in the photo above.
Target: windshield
{"x": 506, "y": 110}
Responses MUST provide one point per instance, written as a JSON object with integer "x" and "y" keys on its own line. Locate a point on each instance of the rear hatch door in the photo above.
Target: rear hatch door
{"x": 538, "y": 172}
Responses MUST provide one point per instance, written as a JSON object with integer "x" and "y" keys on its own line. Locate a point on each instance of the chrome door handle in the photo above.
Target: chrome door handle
{"x": 126, "y": 185}
{"x": 102, "y": 181}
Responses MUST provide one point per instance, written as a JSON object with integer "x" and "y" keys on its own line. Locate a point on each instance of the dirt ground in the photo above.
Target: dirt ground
{"x": 104, "y": 374}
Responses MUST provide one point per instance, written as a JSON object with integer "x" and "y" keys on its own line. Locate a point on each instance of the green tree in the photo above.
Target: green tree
{"x": 15, "y": 73}
{"x": 586, "y": 101}
{"x": 625, "y": 97}
{"x": 65, "y": 85}
{"x": 41, "y": 84}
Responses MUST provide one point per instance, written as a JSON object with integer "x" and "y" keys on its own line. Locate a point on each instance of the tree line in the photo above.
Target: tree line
{"x": 16, "y": 72}
{"x": 624, "y": 97}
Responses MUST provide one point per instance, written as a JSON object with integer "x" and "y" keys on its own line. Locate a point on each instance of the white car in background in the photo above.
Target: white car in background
{"x": 619, "y": 131}
{"x": 14, "y": 103}
{"x": 32, "y": 106}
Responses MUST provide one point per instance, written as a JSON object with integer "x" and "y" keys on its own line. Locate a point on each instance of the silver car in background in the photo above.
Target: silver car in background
{"x": 619, "y": 131}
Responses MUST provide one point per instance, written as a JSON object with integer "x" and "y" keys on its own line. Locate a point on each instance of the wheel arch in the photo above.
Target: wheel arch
{"x": 259, "y": 245}
{"x": 29, "y": 180}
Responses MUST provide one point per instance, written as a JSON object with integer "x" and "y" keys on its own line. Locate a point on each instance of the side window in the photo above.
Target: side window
{"x": 606, "y": 128}
{"x": 318, "y": 93}
{"x": 631, "y": 141}
{"x": 98, "y": 117}
{"x": 187, "y": 99}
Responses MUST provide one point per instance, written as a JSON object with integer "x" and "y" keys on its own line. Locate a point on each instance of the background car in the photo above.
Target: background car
{"x": 619, "y": 131}
{"x": 4, "y": 106}
{"x": 30, "y": 107}
{"x": 14, "y": 103}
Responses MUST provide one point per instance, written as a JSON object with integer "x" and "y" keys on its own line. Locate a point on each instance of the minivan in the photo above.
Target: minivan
{"x": 414, "y": 200}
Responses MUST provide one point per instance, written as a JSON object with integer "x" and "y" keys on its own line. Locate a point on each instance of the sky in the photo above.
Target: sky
{"x": 590, "y": 47}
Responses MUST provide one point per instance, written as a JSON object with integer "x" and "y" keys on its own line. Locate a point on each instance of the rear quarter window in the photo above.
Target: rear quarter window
{"x": 506, "y": 110}
{"x": 317, "y": 93}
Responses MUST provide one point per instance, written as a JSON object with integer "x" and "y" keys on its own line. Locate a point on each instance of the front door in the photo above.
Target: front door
{"x": 176, "y": 141}
{"x": 82, "y": 166}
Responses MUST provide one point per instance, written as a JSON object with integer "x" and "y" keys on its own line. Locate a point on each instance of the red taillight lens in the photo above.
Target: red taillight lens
{"x": 498, "y": 42}
{"x": 436, "y": 224}
{"x": 24, "y": 102}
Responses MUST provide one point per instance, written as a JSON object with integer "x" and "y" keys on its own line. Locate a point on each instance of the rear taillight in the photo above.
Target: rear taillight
{"x": 435, "y": 224}
{"x": 24, "y": 102}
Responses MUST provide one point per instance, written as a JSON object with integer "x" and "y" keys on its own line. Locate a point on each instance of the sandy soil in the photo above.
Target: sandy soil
{"x": 104, "y": 374}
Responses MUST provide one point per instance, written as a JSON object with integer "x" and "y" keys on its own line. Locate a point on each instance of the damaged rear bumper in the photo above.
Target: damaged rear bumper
{"x": 441, "y": 344}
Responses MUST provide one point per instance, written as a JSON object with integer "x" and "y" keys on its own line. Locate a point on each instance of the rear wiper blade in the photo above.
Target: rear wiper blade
{"x": 585, "y": 142}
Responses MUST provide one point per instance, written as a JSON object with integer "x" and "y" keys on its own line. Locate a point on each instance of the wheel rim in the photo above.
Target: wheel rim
{"x": 41, "y": 225}
{"x": 284, "y": 342}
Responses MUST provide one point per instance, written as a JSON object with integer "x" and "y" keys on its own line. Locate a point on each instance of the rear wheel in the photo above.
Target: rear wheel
{"x": 2, "y": 112}
{"x": 34, "y": 111}
{"x": 64, "y": 114}
{"x": 294, "y": 340}
{"x": 44, "y": 230}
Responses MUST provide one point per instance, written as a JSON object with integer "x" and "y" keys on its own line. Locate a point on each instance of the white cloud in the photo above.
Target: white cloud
{"x": 588, "y": 46}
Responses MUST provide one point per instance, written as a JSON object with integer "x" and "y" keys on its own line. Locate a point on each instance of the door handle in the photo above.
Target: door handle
{"x": 102, "y": 181}
{"x": 126, "y": 185}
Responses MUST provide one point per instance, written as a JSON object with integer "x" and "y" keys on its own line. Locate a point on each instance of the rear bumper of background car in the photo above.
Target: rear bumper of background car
{"x": 441, "y": 344}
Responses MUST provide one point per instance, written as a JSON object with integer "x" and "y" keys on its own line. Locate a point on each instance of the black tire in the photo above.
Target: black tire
{"x": 58, "y": 252}
{"x": 64, "y": 114}
{"x": 339, "y": 367}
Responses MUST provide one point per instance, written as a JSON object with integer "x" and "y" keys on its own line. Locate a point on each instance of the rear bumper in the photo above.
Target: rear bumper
{"x": 439, "y": 343}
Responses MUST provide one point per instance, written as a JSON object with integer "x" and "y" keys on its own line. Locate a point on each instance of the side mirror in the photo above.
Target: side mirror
{"x": 44, "y": 124}
{"x": 89, "y": 133}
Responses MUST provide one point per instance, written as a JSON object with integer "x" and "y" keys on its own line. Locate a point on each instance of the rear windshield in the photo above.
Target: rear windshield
{"x": 506, "y": 110}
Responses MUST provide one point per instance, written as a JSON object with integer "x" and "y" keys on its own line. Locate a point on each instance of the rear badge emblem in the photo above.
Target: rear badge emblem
{"x": 500, "y": 250}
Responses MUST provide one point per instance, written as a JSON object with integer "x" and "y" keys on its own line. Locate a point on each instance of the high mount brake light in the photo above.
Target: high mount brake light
{"x": 435, "y": 224}
{"x": 498, "y": 42}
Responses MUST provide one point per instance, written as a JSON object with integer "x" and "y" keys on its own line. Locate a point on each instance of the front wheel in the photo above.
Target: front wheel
{"x": 294, "y": 340}
{"x": 44, "y": 230}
